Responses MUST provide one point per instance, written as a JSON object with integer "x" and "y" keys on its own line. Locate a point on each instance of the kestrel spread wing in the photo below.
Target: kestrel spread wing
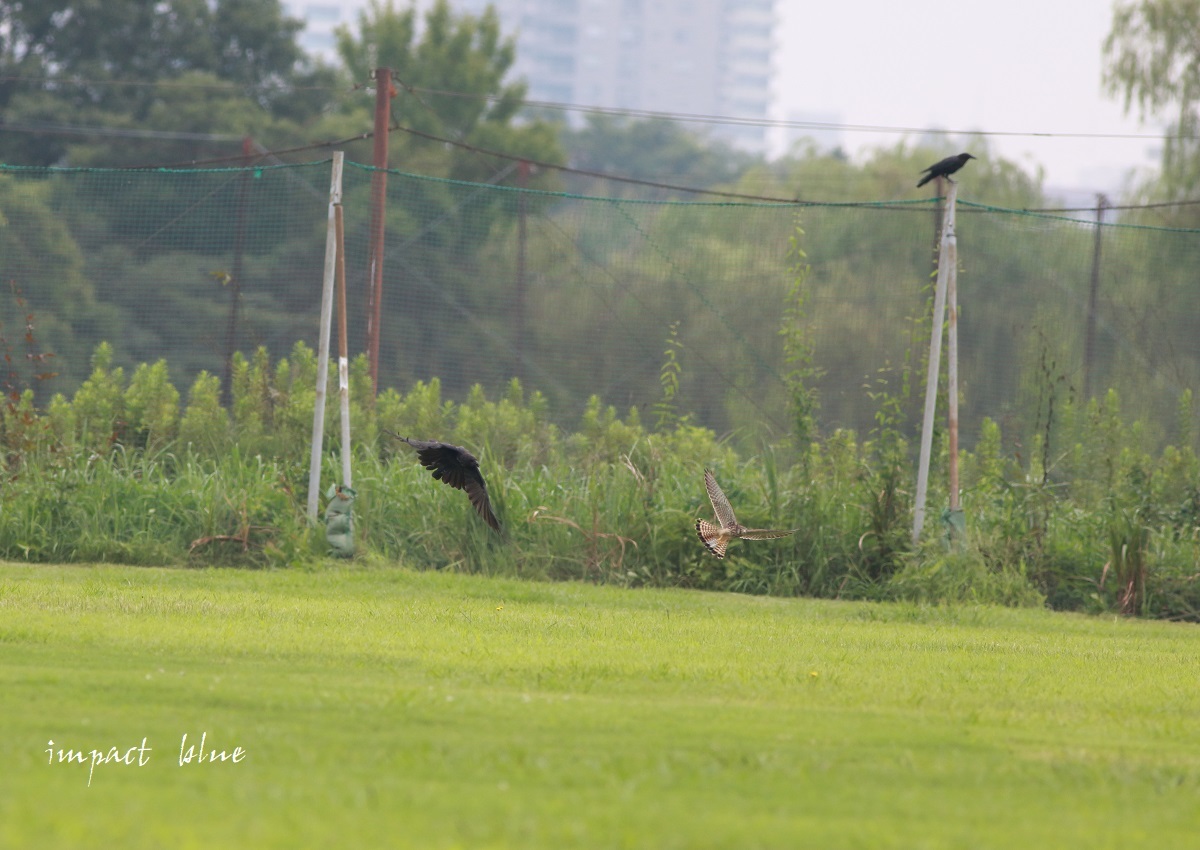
{"x": 716, "y": 537}
{"x": 457, "y": 467}
{"x": 721, "y": 506}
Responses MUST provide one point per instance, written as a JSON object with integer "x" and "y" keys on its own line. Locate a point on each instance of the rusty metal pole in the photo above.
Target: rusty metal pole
{"x": 1089, "y": 337}
{"x": 522, "y": 183}
{"x": 235, "y": 283}
{"x": 383, "y": 95}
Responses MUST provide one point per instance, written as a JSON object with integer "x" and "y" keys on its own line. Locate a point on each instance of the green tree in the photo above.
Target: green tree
{"x": 152, "y": 405}
{"x": 451, "y": 82}
{"x": 654, "y": 149}
{"x": 1152, "y": 56}
{"x": 205, "y": 424}
{"x": 133, "y": 42}
{"x": 44, "y": 267}
{"x": 98, "y": 404}
{"x": 95, "y": 63}
{"x": 451, "y": 76}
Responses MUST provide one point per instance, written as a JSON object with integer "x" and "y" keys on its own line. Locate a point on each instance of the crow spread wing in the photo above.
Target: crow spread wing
{"x": 457, "y": 467}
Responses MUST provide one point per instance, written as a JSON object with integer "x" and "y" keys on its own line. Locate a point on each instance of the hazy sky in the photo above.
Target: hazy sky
{"x": 1019, "y": 67}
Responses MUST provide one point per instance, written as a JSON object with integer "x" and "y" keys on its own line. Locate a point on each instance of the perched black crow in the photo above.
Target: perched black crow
{"x": 457, "y": 467}
{"x": 945, "y": 167}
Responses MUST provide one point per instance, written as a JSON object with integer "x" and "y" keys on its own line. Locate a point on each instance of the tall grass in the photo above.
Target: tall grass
{"x": 1080, "y": 517}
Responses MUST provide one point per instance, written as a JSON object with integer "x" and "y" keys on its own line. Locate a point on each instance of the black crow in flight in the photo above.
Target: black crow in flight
{"x": 945, "y": 167}
{"x": 457, "y": 467}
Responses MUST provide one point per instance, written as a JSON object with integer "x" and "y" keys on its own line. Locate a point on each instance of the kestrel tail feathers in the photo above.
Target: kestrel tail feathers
{"x": 712, "y": 538}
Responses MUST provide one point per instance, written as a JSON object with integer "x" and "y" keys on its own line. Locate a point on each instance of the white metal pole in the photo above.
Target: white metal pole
{"x": 948, "y": 249}
{"x": 344, "y": 397}
{"x": 952, "y": 358}
{"x": 318, "y": 432}
{"x": 343, "y": 342}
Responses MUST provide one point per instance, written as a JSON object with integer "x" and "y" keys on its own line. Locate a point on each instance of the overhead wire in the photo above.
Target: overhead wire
{"x": 630, "y": 112}
{"x": 418, "y": 92}
{"x": 421, "y": 95}
{"x": 482, "y": 152}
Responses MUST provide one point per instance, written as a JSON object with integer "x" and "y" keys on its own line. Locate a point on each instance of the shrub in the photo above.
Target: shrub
{"x": 116, "y": 474}
{"x": 152, "y": 407}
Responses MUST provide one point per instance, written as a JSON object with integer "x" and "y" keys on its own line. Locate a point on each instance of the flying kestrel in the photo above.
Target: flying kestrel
{"x": 457, "y": 467}
{"x": 717, "y": 537}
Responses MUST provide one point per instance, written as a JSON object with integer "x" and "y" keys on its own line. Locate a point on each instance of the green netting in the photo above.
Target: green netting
{"x": 577, "y": 296}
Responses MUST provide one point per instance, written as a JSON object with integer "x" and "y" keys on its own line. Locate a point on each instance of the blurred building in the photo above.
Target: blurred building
{"x": 321, "y": 18}
{"x": 691, "y": 57}
{"x": 820, "y": 131}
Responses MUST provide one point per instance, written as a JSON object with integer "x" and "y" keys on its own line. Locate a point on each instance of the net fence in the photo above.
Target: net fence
{"x": 579, "y": 296}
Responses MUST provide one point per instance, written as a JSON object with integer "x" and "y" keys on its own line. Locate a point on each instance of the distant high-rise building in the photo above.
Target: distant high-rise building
{"x": 822, "y": 130}
{"x": 693, "y": 57}
{"x": 321, "y": 18}
{"x": 687, "y": 57}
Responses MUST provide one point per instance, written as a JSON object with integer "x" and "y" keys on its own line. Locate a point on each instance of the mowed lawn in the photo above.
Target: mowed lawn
{"x": 387, "y": 708}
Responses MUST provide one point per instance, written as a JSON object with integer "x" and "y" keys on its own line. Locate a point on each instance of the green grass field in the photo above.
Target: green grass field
{"x": 386, "y": 708}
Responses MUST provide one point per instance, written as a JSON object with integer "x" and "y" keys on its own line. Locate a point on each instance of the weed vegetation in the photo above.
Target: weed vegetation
{"x": 129, "y": 472}
{"x": 1077, "y": 517}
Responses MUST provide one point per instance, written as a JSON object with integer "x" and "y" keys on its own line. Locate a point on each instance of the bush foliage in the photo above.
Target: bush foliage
{"x": 1079, "y": 518}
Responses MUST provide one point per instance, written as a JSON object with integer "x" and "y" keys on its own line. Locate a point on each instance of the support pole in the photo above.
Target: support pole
{"x": 318, "y": 431}
{"x": 235, "y": 282}
{"x": 519, "y": 329}
{"x": 1089, "y": 338}
{"x": 939, "y": 212}
{"x": 343, "y": 346}
{"x": 946, "y": 258}
{"x": 952, "y": 363}
{"x": 383, "y": 96}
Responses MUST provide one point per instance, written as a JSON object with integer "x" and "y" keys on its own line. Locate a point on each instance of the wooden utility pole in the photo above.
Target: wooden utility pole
{"x": 383, "y": 97}
{"x": 1089, "y": 336}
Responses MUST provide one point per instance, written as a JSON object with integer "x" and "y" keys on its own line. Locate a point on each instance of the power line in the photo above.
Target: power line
{"x": 748, "y": 197}
{"x": 629, "y": 112}
{"x": 598, "y": 174}
{"x": 48, "y": 128}
{"x": 59, "y": 128}
{"x": 276, "y": 153}
{"x": 688, "y": 117}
